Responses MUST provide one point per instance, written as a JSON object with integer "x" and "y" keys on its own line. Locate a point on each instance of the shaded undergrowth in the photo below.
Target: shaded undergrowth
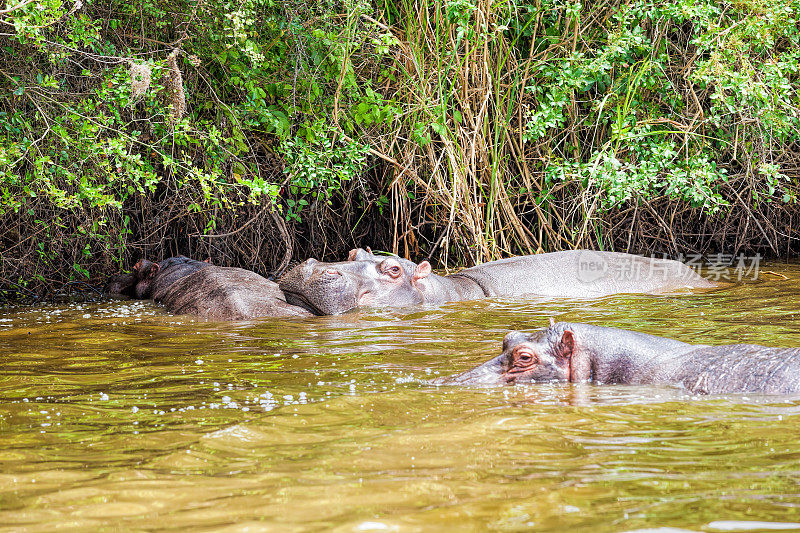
{"x": 260, "y": 132}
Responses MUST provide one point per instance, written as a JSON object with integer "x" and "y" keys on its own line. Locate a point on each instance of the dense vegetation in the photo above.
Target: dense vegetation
{"x": 463, "y": 130}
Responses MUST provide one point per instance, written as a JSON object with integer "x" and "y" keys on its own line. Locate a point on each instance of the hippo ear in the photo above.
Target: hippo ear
{"x": 579, "y": 366}
{"x": 552, "y": 322}
{"x": 566, "y": 346}
{"x": 352, "y": 255}
{"x": 153, "y": 271}
{"x": 369, "y": 250}
{"x": 422, "y": 271}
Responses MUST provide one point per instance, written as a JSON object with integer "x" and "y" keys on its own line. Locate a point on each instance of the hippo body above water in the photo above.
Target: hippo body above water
{"x": 584, "y": 353}
{"x": 151, "y": 280}
{"x": 187, "y": 286}
{"x": 366, "y": 279}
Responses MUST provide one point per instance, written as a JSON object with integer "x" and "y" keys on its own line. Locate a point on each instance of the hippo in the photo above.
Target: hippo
{"x": 574, "y": 352}
{"x": 366, "y": 279}
{"x": 187, "y": 286}
{"x": 121, "y": 285}
{"x": 150, "y": 280}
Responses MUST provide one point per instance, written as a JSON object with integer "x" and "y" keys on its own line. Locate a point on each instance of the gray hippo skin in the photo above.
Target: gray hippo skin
{"x": 585, "y": 353}
{"x": 187, "y": 286}
{"x": 366, "y": 279}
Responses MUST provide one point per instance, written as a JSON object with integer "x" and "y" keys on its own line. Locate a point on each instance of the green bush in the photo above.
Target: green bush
{"x": 470, "y": 128}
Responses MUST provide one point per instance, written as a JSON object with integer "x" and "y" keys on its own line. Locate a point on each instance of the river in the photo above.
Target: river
{"x": 116, "y": 415}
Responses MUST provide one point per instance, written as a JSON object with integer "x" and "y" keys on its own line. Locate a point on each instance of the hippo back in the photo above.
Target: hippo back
{"x": 172, "y": 270}
{"x": 739, "y": 368}
{"x": 227, "y": 293}
{"x": 582, "y": 274}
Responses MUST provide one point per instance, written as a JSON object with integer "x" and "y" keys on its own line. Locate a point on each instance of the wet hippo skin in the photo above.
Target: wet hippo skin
{"x": 227, "y": 293}
{"x": 366, "y": 279}
{"x": 187, "y": 286}
{"x": 573, "y": 352}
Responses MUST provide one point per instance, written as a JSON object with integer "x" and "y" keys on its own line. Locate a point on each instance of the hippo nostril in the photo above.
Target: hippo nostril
{"x": 333, "y": 272}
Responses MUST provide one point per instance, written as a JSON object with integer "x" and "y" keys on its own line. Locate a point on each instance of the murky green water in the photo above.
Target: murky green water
{"x": 117, "y": 416}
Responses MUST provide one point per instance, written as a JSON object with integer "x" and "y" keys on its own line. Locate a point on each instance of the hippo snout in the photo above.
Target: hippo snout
{"x": 322, "y": 288}
{"x": 488, "y": 374}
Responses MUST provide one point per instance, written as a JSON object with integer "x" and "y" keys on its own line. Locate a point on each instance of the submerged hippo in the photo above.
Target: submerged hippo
{"x": 369, "y": 279}
{"x": 151, "y": 280}
{"x": 187, "y": 286}
{"x": 585, "y": 353}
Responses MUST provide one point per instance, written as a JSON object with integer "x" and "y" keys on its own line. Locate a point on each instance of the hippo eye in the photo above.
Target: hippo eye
{"x": 524, "y": 358}
{"x": 394, "y": 271}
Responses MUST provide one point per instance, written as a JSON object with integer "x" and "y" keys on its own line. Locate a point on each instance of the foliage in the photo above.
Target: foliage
{"x": 99, "y": 119}
{"x": 467, "y": 128}
{"x": 562, "y": 116}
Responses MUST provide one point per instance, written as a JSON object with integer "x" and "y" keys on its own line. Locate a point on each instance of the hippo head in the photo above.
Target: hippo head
{"x": 121, "y": 285}
{"x": 145, "y": 272}
{"x": 541, "y": 356}
{"x": 365, "y": 279}
{"x": 136, "y": 284}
